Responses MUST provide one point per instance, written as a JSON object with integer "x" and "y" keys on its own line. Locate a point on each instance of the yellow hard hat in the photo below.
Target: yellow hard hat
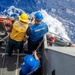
{"x": 23, "y": 17}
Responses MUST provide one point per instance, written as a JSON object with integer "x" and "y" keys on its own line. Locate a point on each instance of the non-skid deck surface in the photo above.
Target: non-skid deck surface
{"x": 10, "y": 65}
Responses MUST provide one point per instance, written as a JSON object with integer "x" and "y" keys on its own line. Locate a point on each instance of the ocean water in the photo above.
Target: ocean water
{"x": 59, "y": 15}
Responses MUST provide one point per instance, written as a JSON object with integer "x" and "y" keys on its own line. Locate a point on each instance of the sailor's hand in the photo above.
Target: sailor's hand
{"x": 73, "y": 45}
{"x": 35, "y": 55}
{"x": 34, "y": 52}
{"x": 33, "y": 20}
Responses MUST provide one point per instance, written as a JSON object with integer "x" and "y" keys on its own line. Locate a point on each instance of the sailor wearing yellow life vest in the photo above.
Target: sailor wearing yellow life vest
{"x": 18, "y": 33}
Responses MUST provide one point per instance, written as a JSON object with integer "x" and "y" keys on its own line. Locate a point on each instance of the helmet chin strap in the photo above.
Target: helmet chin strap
{"x": 38, "y": 22}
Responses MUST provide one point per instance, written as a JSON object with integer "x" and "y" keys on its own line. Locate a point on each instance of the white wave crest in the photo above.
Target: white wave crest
{"x": 54, "y": 25}
{"x": 13, "y": 10}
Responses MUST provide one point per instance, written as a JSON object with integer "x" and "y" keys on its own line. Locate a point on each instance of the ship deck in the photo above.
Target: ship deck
{"x": 11, "y": 65}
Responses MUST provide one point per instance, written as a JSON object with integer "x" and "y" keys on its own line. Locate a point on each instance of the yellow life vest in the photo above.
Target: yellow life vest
{"x": 18, "y": 31}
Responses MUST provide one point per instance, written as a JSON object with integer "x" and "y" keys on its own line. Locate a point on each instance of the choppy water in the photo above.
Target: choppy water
{"x": 59, "y": 15}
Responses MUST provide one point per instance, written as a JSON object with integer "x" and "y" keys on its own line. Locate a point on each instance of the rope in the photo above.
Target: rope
{"x": 4, "y": 38}
{"x": 39, "y": 45}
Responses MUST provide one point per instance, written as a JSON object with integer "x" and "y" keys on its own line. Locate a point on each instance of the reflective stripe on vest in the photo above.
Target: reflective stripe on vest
{"x": 18, "y": 31}
{"x": 19, "y": 24}
{"x": 39, "y": 29}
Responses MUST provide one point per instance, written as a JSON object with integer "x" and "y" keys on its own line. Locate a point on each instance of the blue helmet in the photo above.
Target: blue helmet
{"x": 29, "y": 60}
{"x": 38, "y": 16}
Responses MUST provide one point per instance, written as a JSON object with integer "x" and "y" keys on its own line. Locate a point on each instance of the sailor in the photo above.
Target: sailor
{"x": 18, "y": 33}
{"x": 71, "y": 44}
{"x": 36, "y": 31}
{"x": 51, "y": 39}
{"x": 30, "y": 65}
